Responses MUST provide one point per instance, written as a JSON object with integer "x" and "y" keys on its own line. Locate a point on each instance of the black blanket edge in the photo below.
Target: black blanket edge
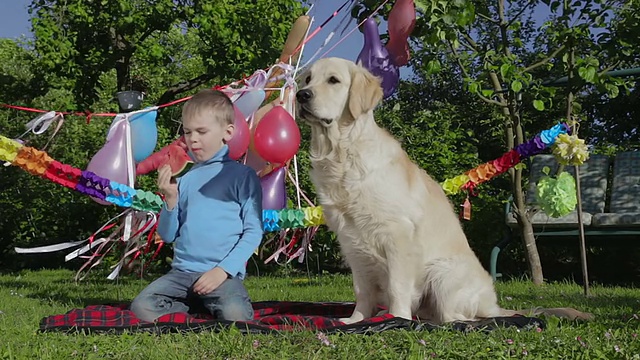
{"x": 486, "y": 325}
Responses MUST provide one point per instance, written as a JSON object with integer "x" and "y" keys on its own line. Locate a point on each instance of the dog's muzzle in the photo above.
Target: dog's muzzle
{"x": 304, "y": 96}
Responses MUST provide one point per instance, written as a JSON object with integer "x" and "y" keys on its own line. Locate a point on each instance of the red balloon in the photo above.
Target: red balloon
{"x": 402, "y": 20}
{"x": 239, "y": 144}
{"x": 277, "y": 136}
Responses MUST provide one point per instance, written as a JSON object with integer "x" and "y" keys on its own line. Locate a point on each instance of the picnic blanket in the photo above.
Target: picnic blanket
{"x": 269, "y": 317}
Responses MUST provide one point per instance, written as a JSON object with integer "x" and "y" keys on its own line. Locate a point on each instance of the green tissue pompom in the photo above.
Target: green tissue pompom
{"x": 557, "y": 197}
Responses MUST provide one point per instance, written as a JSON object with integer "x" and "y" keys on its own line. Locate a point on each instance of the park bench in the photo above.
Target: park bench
{"x": 610, "y": 204}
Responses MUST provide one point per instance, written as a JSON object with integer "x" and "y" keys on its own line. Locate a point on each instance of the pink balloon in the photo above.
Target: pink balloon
{"x": 277, "y": 136}
{"x": 110, "y": 162}
{"x": 239, "y": 144}
{"x": 402, "y": 20}
{"x": 274, "y": 194}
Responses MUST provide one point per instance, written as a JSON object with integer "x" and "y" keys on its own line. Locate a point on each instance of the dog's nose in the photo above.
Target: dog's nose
{"x": 304, "y": 95}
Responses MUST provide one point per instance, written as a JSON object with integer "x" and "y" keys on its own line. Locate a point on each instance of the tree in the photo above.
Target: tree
{"x": 488, "y": 43}
{"x": 77, "y": 40}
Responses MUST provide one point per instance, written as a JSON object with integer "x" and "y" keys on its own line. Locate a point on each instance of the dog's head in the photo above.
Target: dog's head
{"x": 336, "y": 90}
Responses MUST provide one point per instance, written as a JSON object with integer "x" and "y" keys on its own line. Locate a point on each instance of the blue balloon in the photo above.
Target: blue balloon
{"x": 144, "y": 134}
{"x": 250, "y": 101}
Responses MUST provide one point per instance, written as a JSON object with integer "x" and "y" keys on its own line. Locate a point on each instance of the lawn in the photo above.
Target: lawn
{"x": 26, "y": 297}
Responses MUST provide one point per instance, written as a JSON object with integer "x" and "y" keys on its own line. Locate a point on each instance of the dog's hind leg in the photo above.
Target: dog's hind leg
{"x": 457, "y": 289}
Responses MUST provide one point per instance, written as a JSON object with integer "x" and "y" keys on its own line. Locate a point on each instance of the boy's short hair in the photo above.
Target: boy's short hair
{"x": 211, "y": 103}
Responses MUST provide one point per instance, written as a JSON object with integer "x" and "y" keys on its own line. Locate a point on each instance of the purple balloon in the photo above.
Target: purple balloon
{"x": 110, "y": 161}
{"x": 274, "y": 195}
{"x": 375, "y": 57}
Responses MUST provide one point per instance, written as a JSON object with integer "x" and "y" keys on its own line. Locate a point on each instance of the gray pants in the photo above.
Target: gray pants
{"x": 173, "y": 292}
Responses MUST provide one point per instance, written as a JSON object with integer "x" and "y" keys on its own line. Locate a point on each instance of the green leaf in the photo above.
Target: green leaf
{"x": 433, "y": 66}
{"x": 612, "y": 90}
{"x": 516, "y": 86}
{"x": 538, "y": 104}
{"x": 591, "y": 74}
{"x": 504, "y": 70}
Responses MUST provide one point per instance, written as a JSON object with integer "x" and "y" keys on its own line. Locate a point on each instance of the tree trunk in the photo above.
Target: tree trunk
{"x": 122, "y": 73}
{"x": 122, "y": 52}
{"x": 514, "y": 136}
{"x": 526, "y": 228}
{"x": 526, "y": 231}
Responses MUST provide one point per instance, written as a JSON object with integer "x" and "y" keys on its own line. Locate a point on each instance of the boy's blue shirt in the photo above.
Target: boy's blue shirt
{"x": 217, "y": 221}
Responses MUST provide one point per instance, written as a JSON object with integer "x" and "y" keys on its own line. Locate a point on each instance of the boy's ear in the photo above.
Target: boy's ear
{"x": 229, "y": 131}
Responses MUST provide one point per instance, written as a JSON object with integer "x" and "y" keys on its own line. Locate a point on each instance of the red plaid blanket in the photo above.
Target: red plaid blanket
{"x": 269, "y": 316}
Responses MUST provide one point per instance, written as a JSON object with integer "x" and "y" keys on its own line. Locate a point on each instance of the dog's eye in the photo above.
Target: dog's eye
{"x": 333, "y": 80}
{"x": 308, "y": 79}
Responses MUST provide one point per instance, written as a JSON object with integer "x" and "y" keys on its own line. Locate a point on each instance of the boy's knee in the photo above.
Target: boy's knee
{"x": 142, "y": 308}
{"x": 150, "y": 307}
{"x": 237, "y": 310}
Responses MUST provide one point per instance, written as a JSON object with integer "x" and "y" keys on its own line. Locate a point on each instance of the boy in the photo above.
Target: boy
{"x": 213, "y": 214}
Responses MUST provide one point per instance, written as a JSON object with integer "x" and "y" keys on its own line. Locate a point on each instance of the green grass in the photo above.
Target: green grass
{"x": 28, "y": 296}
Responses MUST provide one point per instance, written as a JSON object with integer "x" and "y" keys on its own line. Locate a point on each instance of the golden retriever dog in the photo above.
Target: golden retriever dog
{"x": 397, "y": 229}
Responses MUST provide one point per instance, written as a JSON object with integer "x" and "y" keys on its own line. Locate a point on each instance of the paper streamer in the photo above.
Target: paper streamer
{"x": 568, "y": 149}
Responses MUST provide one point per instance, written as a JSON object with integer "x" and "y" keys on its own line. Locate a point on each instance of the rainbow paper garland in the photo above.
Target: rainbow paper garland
{"x": 39, "y": 163}
{"x": 569, "y": 150}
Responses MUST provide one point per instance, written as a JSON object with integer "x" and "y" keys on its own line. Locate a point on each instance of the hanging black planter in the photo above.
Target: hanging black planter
{"x": 129, "y": 100}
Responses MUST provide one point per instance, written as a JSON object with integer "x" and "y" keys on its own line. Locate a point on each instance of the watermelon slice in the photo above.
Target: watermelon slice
{"x": 174, "y": 154}
{"x": 179, "y": 161}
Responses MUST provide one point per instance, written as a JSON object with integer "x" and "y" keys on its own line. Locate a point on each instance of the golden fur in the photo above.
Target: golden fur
{"x": 396, "y": 227}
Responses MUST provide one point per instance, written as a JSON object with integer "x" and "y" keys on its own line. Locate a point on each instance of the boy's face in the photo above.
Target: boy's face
{"x": 205, "y": 136}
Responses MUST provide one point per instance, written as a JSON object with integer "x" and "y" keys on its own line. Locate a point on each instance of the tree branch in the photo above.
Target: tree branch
{"x": 471, "y": 42}
{"x": 609, "y": 68}
{"x": 184, "y": 86}
{"x": 503, "y": 28}
{"x": 144, "y": 36}
{"x": 531, "y": 2}
{"x": 545, "y": 60}
{"x": 466, "y": 74}
{"x": 488, "y": 18}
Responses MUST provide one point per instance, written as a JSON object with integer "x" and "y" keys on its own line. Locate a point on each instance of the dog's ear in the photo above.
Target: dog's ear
{"x": 365, "y": 92}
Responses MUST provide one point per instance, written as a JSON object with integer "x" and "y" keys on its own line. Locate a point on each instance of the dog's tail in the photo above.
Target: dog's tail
{"x": 566, "y": 313}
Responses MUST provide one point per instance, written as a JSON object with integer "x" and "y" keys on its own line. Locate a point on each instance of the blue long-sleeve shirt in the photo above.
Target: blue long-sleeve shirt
{"x": 217, "y": 221}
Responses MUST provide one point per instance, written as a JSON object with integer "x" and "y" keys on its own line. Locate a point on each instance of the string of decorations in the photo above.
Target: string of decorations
{"x": 39, "y": 163}
{"x": 568, "y": 149}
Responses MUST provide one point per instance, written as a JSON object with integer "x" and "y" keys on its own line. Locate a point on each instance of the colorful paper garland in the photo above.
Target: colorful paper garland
{"x": 567, "y": 148}
{"x": 39, "y": 163}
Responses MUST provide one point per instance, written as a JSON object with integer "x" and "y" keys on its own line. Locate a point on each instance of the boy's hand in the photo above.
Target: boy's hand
{"x": 210, "y": 281}
{"x": 167, "y": 187}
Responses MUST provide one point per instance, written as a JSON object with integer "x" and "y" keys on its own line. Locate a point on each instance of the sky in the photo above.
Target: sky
{"x": 14, "y": 22}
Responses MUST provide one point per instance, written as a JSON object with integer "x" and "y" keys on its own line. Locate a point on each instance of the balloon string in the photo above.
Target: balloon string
{"x": 295, "y": 170}
{"x": 317, "y": 30}
{"x": 311, "y": 204}
{"x": 349, "y": 33}
{"x": 329, "y": 37}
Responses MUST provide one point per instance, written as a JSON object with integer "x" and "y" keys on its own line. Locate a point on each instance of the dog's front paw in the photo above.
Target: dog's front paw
{"x": 349, "y": 320}
{"x": 382, "y": 312}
